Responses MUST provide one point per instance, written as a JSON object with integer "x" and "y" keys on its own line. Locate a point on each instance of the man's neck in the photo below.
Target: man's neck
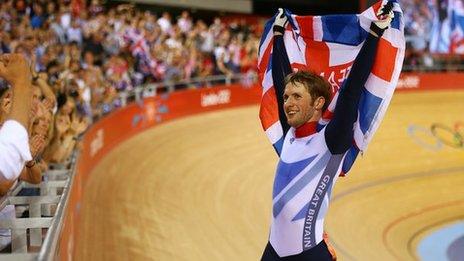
{"x": 306, "y": 129}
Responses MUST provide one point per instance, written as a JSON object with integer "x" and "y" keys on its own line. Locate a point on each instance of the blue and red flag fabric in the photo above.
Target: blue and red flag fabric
{"x": 456, "y": 8}
{"x": 328, "y": 45}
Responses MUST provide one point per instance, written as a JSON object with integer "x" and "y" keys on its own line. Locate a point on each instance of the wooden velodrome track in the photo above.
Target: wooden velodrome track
{"x": 199, "y": 188}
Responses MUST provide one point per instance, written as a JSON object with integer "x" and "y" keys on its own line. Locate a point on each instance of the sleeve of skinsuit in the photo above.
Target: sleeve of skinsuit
{"x": 280, "y": 68}
{"x": 339, "y": 132}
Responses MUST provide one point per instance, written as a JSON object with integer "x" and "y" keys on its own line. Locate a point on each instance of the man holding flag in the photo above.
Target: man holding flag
{"x": 317, "y": 128}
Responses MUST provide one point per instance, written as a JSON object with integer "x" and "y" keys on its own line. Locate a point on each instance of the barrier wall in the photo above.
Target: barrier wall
{"x": 430, "y": 81}
{"x": 136, "y": 117}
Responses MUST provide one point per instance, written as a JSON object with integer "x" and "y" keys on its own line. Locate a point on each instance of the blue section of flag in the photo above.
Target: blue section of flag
{"x": 457, "y": 20}
{"x": 368, "y": 105}
{"x": 278, "y": 145}
{"x": 396, "y": 21}
{"x": 267, "y": 28}
{"x": 269, "y": 64}
{"x": 286, "y": 172}
{"x": 349, "y": 159}
{"x": 342, "y": 29}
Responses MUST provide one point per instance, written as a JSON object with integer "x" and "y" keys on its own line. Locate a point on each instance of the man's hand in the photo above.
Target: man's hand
{"x": 280, "y": 23}
{"x": 62, "y": 124}
{"x": 79, "y": 125}
{"x": 14, "y": 69}
{"x": 385, "y": 15}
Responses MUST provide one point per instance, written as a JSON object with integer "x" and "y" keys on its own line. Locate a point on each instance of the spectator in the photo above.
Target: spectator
{"x": 74, "y": 33}
{"x": 14, "y": 147}
{"x": 165, "y": 22}
{"x": 38, "y": 18}
{"x": 184, "y": 22}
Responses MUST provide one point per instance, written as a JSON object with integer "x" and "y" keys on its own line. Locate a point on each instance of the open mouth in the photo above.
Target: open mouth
{"x": 291, "y": 113}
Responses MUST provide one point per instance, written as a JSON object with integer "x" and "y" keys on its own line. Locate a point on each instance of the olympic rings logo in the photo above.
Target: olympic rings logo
{"x": 438, "y": 135}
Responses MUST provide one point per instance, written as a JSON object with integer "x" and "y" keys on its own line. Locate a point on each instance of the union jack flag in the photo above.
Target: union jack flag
{"x": 328, "y": 45}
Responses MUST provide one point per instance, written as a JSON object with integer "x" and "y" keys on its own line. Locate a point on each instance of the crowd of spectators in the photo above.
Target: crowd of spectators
{"x": 429, "y": 35}
{"x": 100, "y": 52}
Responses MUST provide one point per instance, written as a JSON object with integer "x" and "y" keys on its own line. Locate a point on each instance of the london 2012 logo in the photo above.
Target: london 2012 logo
{"x": 438, "y": 135}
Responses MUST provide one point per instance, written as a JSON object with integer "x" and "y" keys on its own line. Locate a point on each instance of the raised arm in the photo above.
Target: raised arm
{"x": 280, "y": 66}
{"x": 339, "y": 132}
{"x": 50, "y": 98}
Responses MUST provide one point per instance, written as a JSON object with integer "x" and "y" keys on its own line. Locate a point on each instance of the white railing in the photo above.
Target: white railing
{"x": 45, "y": 211}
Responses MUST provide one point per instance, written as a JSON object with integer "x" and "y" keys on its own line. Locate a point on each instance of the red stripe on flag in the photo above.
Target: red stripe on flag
{"x": 306, "y": 26}
{"x": 376, "y": 7}
{"x": 268, "y": 112}
{"x": 317, "y": 56}
{"x": 384, "y": 64}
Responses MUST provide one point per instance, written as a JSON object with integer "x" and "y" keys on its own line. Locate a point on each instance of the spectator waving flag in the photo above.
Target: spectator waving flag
{"x": 328, "y": 45}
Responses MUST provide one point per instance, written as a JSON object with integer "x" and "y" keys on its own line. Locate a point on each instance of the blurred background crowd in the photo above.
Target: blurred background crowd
{"x": 434, "y": 35}
{"x": 90, "y": 53}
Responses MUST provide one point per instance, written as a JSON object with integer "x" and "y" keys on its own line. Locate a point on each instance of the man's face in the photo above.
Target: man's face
{"x": 298, "y": 104}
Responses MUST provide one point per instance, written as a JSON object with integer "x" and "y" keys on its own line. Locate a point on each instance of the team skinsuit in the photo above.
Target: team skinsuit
{"x": 311, "y": 159}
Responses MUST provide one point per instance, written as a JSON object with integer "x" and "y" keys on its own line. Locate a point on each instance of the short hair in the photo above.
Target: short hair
{"x": 314, "y": 84}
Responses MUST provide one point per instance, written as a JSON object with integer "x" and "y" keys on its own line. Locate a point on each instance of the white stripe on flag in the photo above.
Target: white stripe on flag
{"x": 302, "y": 47}
{"x": 323, "y": 121}
{"x": 293, "y": 51}
{"x": 274, "y": 132}
{"x": 395, "y": 37}
{"x": 264, "y": 46}
{"x": 377, "y": 86}
{"x": 297, "y": 25}
{"x": 267, "y": 81}
{"x": 359, "y": 136}
{"x": 333, "y": 102}
{"x": 342, "y": 53}
{"x": 366, "y": 18}
{"x": 317, "y": 28}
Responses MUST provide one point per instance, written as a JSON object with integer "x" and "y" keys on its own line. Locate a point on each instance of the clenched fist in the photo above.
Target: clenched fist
{"x": 15, "y": 69}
